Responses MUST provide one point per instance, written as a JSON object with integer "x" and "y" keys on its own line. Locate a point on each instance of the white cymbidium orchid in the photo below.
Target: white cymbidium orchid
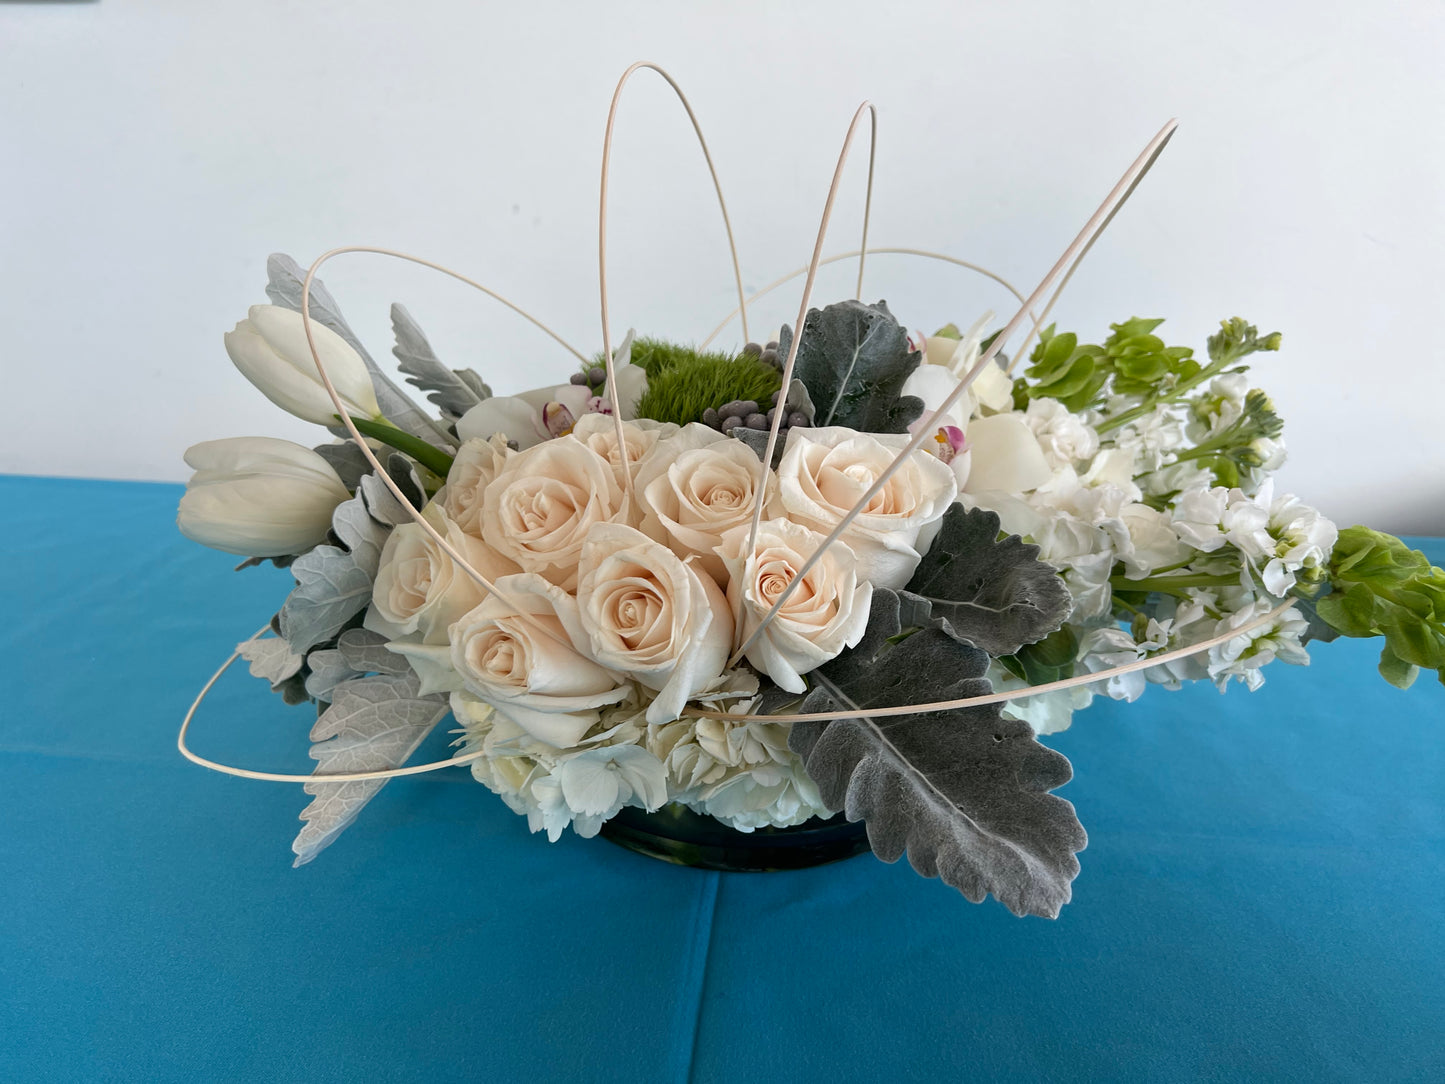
{"x": 269, "y": 348}
{"x": 258, "y": 496}
{"x": 531, "y": 417}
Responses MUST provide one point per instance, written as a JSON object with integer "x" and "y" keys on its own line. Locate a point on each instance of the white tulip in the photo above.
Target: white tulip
{"x": 258, "y": 496}
{"x": 270, "y": 349}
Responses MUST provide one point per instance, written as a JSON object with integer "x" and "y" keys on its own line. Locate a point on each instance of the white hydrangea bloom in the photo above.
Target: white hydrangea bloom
{"x": 742, "y": 772}
{"x": 554, "y": 788}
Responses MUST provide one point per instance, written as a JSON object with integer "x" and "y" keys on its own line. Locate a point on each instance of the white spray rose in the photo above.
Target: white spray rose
{"x": 825, "y": 472}
{"x": 696, "y": 487}
{"x": 419, "y": 589}
{"x": 269, "y": 348}
{"x": 651, "y": 616}
{"x": 541, "y": 505}
{"x": 523, "y": 653}
{"x": 644, "y": 438}
{"x": 827, "y": 612}
{"x": 477, "y": 463}
{"x": 258, "y": 496}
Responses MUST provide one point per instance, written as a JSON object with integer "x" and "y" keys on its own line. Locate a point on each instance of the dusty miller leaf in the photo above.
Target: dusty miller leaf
{"x": 365, "y": 651}
{"x": 373, "y": 723}
{"x": 445, "y": 388}
{"x": 994, "y": 592}
{"x": 346, "y": 460}
{"x": 854, "y": 360}
{"x": 271, "y": 659}
{"x": 333, "y": 584}
{"x": 380, "y": 502}
{"x": 965, "y": 792}
{"x": 358, "y": 652}
{"x": 285, "y": 280}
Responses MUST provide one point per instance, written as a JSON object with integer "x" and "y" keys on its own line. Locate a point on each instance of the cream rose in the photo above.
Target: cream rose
{"x": 825, "y": 472}
{"x": 522, "y": 654}
{"x": 826, "y": 612}
{"x": 477, "y": 463}
{"x": 652, "y": 616}
{"x": 698, "y": 486}
{"x": 419, "y": 589}
{"x": 643, "y": 438}
{"x": 539, "y": 508}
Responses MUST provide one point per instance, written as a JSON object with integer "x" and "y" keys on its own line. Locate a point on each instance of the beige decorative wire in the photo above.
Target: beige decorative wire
{"x": 1071, "y": 257}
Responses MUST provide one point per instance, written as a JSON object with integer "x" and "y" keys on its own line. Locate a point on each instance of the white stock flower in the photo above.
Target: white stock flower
{"x": 539, "y": 508}
{"x": 1066, "y": 439}
{"x": 652, "y": 616}
{"x": 1243, "y": 655}
{"x": 1303, "y": 540}
{"x": 269, "y": 348}
{"x": 1153, "y": 439}
{"x": 258, "y": 496}
{"x": 697, "y": 486}
{"x": 826, "y": 612}
{"x": 1109, "y": 647}
{"x": 1046, "y": 713}
{"x": 419, "y": 589}
{"x": 825, "y": 472}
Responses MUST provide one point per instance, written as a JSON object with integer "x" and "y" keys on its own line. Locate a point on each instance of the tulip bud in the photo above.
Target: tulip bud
{"x": 270, "y": 349}
{"x": 258, "y": 496}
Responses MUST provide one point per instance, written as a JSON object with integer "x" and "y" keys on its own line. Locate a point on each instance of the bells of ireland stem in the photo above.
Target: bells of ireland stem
{"x": 258, "y": 496}
{"x": 270, "y": 349}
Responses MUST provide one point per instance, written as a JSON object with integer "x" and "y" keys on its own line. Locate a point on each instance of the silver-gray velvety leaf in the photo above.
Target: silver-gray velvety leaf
{"x": 994, "y": 592}
{"x": 285, "y": 280}
{"x": 365, "y": 652}
{"x": 271, "y": 659}
{"x": 329, "y": 669}
{"x": 333, "y": 584}
{"x": 346, "y": 460}
{"x": 854, "y": 360}
{"x": 964, "y": 793}
{"x": 383, "y": 506}
{"x": 422, "y": 368}
{"x": 374, "y": 723}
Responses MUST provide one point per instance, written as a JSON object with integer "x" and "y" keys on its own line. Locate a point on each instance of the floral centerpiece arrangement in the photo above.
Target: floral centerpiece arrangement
{"x": 691, "y": 581}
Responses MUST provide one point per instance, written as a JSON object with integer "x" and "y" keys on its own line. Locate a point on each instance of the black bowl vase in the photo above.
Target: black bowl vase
{"x": 676, "y": 834}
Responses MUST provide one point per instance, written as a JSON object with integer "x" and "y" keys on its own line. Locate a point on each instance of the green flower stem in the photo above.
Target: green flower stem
{"x": 1209, "y": 372}
{"x": 429, "y": 456}
{"x": 1170, "y": 584}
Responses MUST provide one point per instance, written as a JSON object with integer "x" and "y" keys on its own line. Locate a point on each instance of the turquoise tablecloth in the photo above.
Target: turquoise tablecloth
{"x": 1260, "y": 898}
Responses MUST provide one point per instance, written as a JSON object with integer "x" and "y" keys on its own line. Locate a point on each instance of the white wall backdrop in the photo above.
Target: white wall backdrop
{"x": 153, "y": 153}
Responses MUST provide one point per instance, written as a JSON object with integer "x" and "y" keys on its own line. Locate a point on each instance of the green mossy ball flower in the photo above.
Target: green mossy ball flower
{"x": 682, "y": 382}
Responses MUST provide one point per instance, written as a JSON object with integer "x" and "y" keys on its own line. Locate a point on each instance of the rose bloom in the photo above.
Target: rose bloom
{"x": 539, "y": 508}
{"x": 520, "y": 651}
{"x": 698, "y": 486}
{"x": 825, "y": 613}
{"x": 477, "y": 463}
{"x": 652, "y": 616}
{"x": 419, "y": 589}
{"x": 823, "y": 474}
{"x": 643, "y": 438}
